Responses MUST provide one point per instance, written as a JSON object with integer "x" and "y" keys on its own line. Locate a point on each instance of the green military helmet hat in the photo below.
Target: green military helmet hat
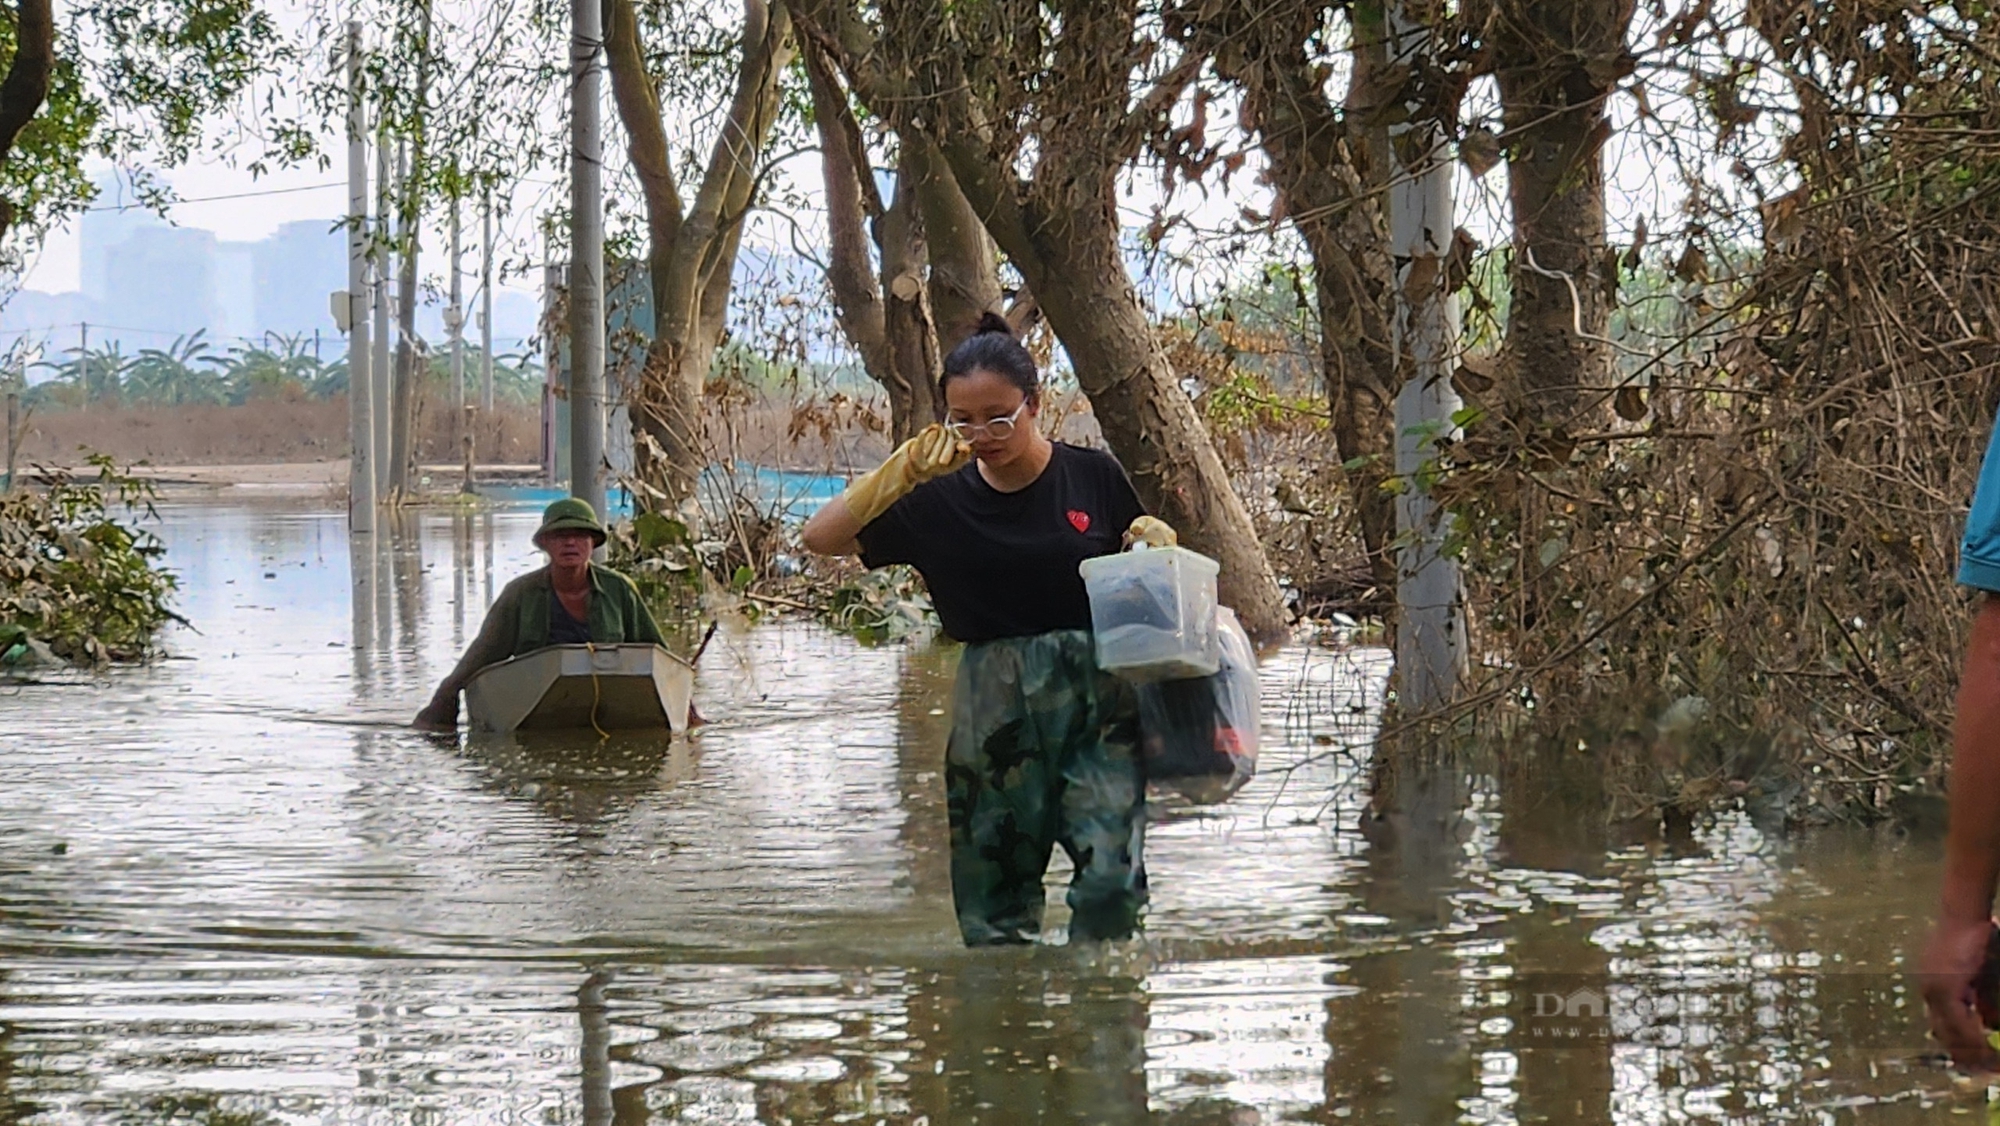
{"x": 570, "y": 514}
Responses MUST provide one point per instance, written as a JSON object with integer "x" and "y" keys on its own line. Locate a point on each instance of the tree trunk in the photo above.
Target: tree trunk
{"x": 645, "y": 130}
{"x": 26, "y": 86}
{"x": 885, "y": 318}
{"x": 403, "y": 424}
{"x": 712, "y": 314}
{"x": 691, "y": 255}
{"x": 409, "y": 368}
{"x": 1555, "y": 61}
{"x": 1330, "y": 170}
{"x": 964, "y": 283}
{"x": 915, "y": 355}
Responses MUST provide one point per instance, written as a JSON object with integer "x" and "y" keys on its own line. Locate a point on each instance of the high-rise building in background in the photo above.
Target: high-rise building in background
{"x": 113, "y": 217}
{"x": 162, "y": 284}
{"x": 235, "y": 291}
{"x": 293, "y": 272}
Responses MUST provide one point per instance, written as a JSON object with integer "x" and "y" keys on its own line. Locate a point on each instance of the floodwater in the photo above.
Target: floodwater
{"x": 232, "y": 892}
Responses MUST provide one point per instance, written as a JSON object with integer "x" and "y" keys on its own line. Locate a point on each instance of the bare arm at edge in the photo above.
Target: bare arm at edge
{"x": 1972, "y": 850}
{"x": 832, "y": 530}
{"x": 494, "y": 643}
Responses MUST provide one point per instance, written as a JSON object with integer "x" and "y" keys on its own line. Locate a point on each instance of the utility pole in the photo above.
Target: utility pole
{"x": 486, "y": 307}
{"x": 586, "y": 272}
{"x": 378, "y": 368}
{"x": 362, "y": 494}
{"x": 1430, "y": 596}
{"x": 83, "y": 361}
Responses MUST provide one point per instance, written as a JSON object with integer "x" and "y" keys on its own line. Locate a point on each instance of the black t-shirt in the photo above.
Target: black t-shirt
{"x": 1004, "y": 564}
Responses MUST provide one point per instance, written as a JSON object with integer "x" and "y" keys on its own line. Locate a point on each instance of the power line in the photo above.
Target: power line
{"x": 213, "y": 198}
{"x": 129, "y": 328}
{"x": 52, "y": 329}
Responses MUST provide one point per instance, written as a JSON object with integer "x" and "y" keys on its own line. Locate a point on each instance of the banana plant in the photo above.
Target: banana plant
{"x": 183, "y": 373}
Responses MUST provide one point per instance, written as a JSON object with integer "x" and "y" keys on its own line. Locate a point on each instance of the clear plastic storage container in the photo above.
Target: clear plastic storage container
{"x": 1153, "y": 611}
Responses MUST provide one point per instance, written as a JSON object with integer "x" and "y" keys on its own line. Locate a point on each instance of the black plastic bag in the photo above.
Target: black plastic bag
{"x": 1199, "y": 736}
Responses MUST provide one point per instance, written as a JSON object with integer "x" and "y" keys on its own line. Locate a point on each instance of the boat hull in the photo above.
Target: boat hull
{"x": 583, "y": 687}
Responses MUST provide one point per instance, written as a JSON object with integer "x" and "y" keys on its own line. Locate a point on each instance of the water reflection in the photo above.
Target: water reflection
{"x": 232, "y": 885}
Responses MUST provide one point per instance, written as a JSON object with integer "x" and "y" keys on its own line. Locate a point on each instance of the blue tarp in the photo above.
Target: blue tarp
{"x": 793, "y": 495}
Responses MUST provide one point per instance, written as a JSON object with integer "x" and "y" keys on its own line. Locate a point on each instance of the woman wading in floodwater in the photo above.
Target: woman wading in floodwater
{"x": 1044, "y": 745}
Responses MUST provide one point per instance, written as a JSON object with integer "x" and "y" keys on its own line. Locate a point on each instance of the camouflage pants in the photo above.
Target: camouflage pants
{"x": 1044, "y": 750}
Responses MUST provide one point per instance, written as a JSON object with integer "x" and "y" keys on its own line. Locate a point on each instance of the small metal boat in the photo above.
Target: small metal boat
{"x": 585, "y": 687}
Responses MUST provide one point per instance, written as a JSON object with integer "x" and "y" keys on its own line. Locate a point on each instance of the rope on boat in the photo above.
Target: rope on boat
{"x": 596, "y": 693}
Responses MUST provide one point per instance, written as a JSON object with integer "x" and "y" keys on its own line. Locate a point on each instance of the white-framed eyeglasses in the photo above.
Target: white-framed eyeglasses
{"x": 999, "y": 429}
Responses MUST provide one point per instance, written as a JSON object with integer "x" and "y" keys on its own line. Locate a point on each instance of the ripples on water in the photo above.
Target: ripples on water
{"x": 231, "y": 891}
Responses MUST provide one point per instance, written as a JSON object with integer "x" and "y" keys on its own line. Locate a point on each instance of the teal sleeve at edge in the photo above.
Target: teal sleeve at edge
{"x": 1979, "y": 552}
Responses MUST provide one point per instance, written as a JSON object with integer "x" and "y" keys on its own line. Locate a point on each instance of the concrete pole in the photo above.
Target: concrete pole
{"x": 1430, "y": 596}
{"x": 362, "y": 495}
{"x": 361, "y": 604}
{"x": 486, "y": 307}
{"x": 378, "y": 367}
{"x": 586, "y": 274}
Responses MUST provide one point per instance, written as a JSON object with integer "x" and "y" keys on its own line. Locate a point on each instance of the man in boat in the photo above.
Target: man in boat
{"x": 572, "y": 601}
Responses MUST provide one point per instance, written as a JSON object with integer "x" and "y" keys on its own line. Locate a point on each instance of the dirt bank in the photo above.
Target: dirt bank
{"x": 773, "y": 432}
{"x": 256, "y": 433}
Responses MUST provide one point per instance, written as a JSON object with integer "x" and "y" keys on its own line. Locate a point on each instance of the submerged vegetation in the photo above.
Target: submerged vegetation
{"x": 755, "y": 571}
{"x": 81, "y": 580}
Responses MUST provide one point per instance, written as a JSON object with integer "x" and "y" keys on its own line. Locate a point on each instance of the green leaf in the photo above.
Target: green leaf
{"x": 743, "y": 578}
{"x": 1466, "y": 416}
{"x": 656, "y": 532}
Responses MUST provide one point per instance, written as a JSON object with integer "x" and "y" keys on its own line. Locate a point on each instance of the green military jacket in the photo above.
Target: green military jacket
{"x": 518, "y": 622}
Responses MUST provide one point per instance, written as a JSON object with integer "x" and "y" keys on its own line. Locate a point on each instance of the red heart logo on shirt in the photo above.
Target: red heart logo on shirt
{"x": 1079, "y": 520}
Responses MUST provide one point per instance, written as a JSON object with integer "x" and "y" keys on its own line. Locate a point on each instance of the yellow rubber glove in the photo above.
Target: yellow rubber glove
{"x": 1153, "y": 532}
{"x": 934, "y": 452}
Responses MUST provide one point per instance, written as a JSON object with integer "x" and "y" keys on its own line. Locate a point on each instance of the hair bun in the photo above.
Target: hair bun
{"x": 993, "y": 322}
